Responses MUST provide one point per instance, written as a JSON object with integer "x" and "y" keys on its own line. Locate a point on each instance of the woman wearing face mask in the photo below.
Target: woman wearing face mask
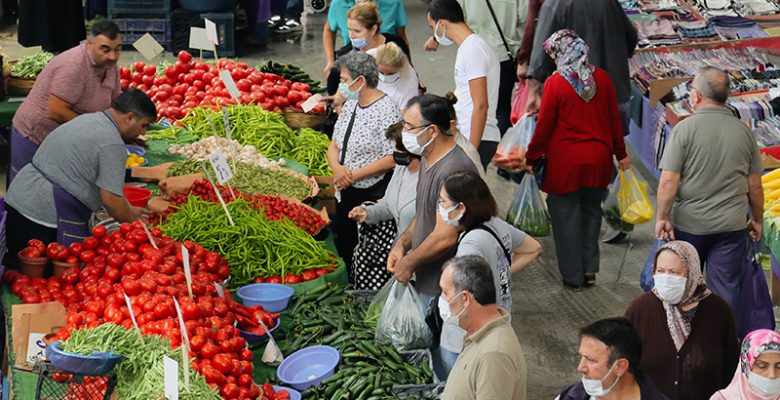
{"x": 689, "y": 340}
{"x": 758, "y": 373}
{"x": 360, "y": 155}
{"x": 396, "y": 76}
{"x": 580, "y": 134}
{"x": 364, "y": 32}
{"x": 399, "y": 200}
{"x": 466, "y": 203}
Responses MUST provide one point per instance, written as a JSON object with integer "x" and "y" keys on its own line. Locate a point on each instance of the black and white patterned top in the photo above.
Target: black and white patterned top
{"x": 367, "y": 143}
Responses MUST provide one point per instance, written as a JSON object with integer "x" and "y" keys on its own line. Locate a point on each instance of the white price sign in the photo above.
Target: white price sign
{"x": 171, "y": 378}
{"x": 221, "y": 167}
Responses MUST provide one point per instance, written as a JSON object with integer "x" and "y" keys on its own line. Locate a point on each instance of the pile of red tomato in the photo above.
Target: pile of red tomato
{"x": 187, "y": 84}
{"x": 126, "y": 263}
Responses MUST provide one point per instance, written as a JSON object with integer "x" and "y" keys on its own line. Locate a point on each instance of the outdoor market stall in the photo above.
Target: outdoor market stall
{"x": 237, "y": 220}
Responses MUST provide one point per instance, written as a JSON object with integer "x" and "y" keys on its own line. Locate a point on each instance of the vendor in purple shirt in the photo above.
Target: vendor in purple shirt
{"x": 81, "y": 80}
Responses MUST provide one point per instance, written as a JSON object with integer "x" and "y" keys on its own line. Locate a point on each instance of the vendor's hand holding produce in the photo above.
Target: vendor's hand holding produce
{"x": 189, "y": 84}
{"x": 31, "y": 66}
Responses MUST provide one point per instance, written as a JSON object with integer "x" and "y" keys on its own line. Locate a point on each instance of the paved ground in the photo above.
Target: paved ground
{"x": 546, "y": 317}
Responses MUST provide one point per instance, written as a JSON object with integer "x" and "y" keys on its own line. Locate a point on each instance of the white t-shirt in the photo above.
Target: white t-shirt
{"x": 476, "y": 59}
{"x": 479, "y": 242}
{"x": 406, "y": 87}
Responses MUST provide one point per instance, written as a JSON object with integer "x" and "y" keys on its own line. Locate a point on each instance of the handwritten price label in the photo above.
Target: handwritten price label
{"x": 221, "y": 167}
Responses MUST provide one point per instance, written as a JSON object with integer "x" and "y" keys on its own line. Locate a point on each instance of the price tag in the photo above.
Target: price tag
{"x": 199, "y": 40}
{"x": 311, "y": 102}
{"x": 165, "y": 122}
{"x": 132, "y": 314}
{"x": 185, "y": 343}
{"x": 220, "y": 290}
{"x": 219, "y": 196}
{"x": 149, "y": 235}
{"x": 148, "y": 47}
{"x": 230, "y": 84}
{"x": 227, "y": 122}
{"x": 171, "y": 377}
{"x": 211, "y": 32}
{"x": 185, "y": 258}
{"x": 221, "y": 167}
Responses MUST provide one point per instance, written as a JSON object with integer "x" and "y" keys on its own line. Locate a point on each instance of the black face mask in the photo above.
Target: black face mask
{"x": 403, "y": 158}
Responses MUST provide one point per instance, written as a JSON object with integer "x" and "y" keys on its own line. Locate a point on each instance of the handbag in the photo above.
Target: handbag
{"x": 756, "y": 308}
{"x": 369, "y": 259}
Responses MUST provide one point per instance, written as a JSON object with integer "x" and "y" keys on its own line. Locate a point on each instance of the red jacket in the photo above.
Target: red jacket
{"x": 578, "y": 137}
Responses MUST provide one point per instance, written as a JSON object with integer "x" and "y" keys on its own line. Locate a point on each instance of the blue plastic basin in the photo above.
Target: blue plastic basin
{"x": 135, "y": 149}
{"x": 271, "y": 296}
{"x": 94, "y": 364}
{"x": 294, "y": 394}
{"x": 251, "y": 338}
{"x": 308, "y": 367}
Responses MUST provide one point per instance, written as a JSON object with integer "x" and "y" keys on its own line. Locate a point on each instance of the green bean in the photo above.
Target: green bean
{"x": 254, "y": 246}
{"x": 31, "y": 66}
{"x": 311, "y": 149}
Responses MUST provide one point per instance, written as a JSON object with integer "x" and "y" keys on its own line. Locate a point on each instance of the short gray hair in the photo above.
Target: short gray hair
{"x": 474, "y": 275}
{"x": 358, "y": 63}
{"x": 712, "y": 83}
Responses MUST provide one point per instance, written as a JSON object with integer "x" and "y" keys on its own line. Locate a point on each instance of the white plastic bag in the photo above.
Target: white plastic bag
{"x": 528, "y": 211}
{"x": 403, "y": 319}
{"x": 515, "y": 142}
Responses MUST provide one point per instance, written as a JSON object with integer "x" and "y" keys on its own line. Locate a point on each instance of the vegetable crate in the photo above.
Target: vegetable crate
{"x": 182, "y": 21}
{"x": 133, "y": 29}
{"x": 138, "y": 8}
{"x": 54, "y": 384}
{"x": 425, "y": 391}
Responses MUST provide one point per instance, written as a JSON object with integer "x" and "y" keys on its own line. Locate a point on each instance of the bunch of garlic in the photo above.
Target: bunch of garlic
{"x": 230, "y": 149}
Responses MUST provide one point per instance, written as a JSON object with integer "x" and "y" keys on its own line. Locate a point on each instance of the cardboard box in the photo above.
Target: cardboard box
{"x": 29, "y": 324}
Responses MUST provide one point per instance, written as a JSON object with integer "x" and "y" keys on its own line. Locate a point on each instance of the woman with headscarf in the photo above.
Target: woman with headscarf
{"x": 689, "y": 341}
{"x": 578, "y": 132}
{"x": 758, "y": 373}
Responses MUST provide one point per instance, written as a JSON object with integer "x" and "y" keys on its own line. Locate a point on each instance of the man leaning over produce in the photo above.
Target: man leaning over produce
{"x": 81, "y": 80}
{"x": 491, "y": 364}
{"x": 78, "y": 169}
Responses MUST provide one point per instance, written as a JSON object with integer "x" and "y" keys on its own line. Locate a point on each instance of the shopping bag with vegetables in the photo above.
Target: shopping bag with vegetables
{"x": 402, "y": 322}
{"x": 515, "y": 141}
{"x": 528, "y": 211}
{"x": 612, "y": 211}
{"x": 633, "y": 201}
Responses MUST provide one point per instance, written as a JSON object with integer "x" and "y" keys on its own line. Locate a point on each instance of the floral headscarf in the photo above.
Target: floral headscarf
{"x": 755, "y": 343}
{"x": 695, "y": 289}
{"x": 570, "y": 54}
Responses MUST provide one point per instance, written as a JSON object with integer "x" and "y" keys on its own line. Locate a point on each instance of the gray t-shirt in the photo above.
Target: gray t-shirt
{"x": 479, "y": 242}
{"x": 714, "y": 152}
{"x": 81, "y": 156}
{"x": 428, "y": 187}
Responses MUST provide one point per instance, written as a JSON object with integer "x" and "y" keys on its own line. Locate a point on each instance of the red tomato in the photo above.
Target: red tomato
{"x": 274, "y": 279}
{"x": 138, "y": 66}
{"x": 292, "y": 279}
{"x": 280, "y": 90}
{"x": 99, "y": 231}
{"x": 148, "y": 80}
{"x": 309, "y": 275}
{"x": 207, "y": 78}
{"x": 37, "y": 244}
{"x": 76, "y": 249}
{"x": 150, "y": 69}
{"x": 137, "y": 77}
{"x": 91, "y": 243}
{"x": 125, "y": 73}
{"x": 184, "y": 56}
{"x": 293, "y": 96}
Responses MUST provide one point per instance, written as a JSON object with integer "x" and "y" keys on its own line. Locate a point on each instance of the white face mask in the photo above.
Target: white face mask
{"x": 670, "y": 288}
{"x": 452, "y": 335}
{"x": 595, "y": 387}
{"x": 443, "y": 39}
{"x": 390, "y": 78}
{"x": 445, "y": 215}
{"x": 763, "y": 385}
{"x": 410, "y": 142}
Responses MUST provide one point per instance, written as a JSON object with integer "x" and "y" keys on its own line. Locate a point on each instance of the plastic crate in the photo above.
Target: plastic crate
{"x": 133, "y": 29}
{"x": 138, "y": 8}
{"x": 181, "y": 21}
{"x": 54, "y": 384}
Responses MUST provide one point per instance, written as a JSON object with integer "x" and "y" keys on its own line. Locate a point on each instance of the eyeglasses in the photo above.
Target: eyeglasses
{"x": 408, "y": 126}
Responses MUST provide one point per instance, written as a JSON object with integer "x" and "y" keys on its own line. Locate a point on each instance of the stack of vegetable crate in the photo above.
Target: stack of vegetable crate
{"x": 138, "y": 17}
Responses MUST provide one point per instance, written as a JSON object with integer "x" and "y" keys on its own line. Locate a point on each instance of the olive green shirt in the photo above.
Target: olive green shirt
{"x": 714, "y": 152}
{"x": 491, "y": 365}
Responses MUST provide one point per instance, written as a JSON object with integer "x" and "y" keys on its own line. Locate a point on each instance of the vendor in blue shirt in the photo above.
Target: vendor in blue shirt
{"x": 392, "y": 13}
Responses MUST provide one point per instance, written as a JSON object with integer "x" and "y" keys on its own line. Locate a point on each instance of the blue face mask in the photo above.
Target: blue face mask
{"x": 347, "y": 93}
{"x": 443, "y": 39}
{"x": 359, "y": 42}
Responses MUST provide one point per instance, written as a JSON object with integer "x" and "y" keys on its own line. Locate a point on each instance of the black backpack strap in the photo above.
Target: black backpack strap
{"x": 483, "y": 227}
